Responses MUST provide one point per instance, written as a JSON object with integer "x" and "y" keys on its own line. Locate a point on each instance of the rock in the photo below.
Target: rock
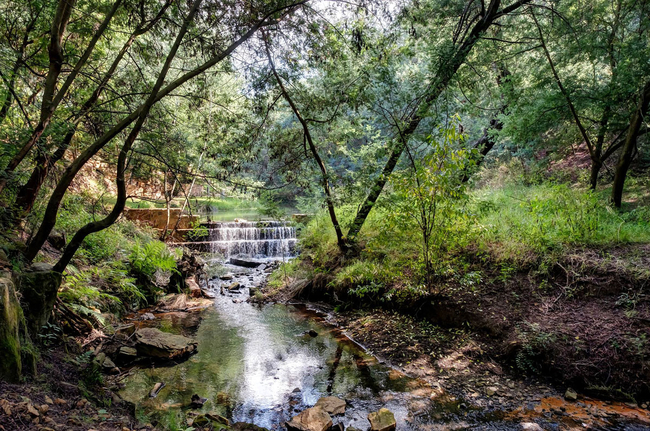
{"x": 491, "y": 390}
{"x": 383, "y": 420}
{"x": 157, "y": 344}
{"x": 126, "y": 330}
{"x": 57, "y": 240}
{"x": 352, "y": 429}
{"x": 261, "y": 267}
{"x": 148, "y": 316}
{"x": 243, "y": 262}
{"x": 127, "y": 354}
{"x": 198, "y": 401}
{"x": 332, "y": 405}
{"x": 312, "y": 333}
{"x": 108, "y": 364}
{"x": 312, "y": 419}
{"x": 531, "y": 426}
{"x": 253, "y": 291}
{"x": 11, "y": 323}
{"x": 195, "y": 290}
{"x": 38, "y": 286}
{"x": 570, "y": 395}
{"x": 234, "y": 286}
{"x": 226, "y": 277}
{"x": 156, "y": 389}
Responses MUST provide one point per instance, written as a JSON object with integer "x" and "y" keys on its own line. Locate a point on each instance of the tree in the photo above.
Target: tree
{"x": 473, "y": 22}
{"x": 258, "y": 18}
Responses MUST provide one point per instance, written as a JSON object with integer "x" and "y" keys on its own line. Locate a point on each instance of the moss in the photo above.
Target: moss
{"x": 11, "y": 318}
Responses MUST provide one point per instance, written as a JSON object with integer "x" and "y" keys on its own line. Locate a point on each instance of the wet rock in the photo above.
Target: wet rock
{"x": 234, "y": 286}
{"x": 243, "y": 262}
{"x": 352, "y": 429}
{"x": 570, "y": 395}
{"x": 312, "y": 333}
{"x": 193, "y": 286}
{"x": 383, "y": 420}
{"x": 226, "y": 277}
{"x": 157, "y": 344}
{"x": 312, "y": 419}
{"x": 332, "y": 405}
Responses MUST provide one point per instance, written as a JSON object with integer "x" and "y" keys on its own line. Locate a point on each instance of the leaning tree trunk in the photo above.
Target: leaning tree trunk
{"x": 29, "y": 191}
{"x": 340, "y": 240}
{"x": 445, "y": 73}
{"x": 51, "y": 211}
{"x": 106, "y": 222}
{"x": 51, "y": 97}
{"x": 625, "y": 158}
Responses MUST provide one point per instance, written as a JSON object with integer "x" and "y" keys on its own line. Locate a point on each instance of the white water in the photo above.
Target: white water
{"x": 267, "y": 239}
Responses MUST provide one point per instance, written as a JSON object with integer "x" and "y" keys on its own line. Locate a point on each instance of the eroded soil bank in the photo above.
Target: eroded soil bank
{"x": 516, "y": 343}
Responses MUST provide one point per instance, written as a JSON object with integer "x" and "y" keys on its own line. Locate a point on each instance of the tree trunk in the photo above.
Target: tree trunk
{"x": 340, "y": 240}
{"x": 29, "y": 191}
{"x": 51, "y": 101}
{"x": 625, "y": 158}
{"x": 445, "y": 73}
{"x": 106, "y": 222}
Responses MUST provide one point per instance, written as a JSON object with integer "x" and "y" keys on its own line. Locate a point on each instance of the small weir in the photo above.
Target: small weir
{"x": 262, "y": 239}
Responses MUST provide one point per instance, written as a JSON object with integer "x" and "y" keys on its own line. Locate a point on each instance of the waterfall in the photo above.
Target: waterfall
{"x": 264, "y": 239}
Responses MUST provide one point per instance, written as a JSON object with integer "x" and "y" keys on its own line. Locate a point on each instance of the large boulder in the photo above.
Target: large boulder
{"x": 10, "y": 322}
{"x": 312, "y": 419}
{"x": 38, "y": 286}
{"x": 156, "y": 344}
{"x": 383, "y": 420}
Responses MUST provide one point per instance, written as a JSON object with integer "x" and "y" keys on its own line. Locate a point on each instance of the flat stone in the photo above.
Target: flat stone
{"x": 570, "y": 395}
{"x": 127, "y": 354}
{"x": 383, "y": 420}
{"x": 157, "y": 344}
{"x": 234, "y": 286}
{"x": 312, "y": 419}
{"x": 332, "y": 405}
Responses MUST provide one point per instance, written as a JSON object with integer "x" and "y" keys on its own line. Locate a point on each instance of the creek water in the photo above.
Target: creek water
{"x": 259, "y": 364}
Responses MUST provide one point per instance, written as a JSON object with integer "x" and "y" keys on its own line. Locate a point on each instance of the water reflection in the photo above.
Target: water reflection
{"x": 260, "y": 365}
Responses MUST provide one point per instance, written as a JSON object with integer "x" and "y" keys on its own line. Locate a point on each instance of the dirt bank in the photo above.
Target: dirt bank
{"x": 583, "y": 323}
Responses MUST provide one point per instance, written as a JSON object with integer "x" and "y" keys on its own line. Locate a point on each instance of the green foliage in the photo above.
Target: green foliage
{"x": 431, "y": 197}
{"x": 535, "y": 344}
{"x": 152, "y": 260}
{"x": 520, "y": 222}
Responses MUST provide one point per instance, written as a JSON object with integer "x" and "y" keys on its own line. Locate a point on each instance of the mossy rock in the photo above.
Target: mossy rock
{"x": 38, "y": 286}
{"x": 11, "y": 320}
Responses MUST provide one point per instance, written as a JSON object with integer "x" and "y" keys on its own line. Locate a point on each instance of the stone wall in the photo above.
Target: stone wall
{"x": 157, "y": 217}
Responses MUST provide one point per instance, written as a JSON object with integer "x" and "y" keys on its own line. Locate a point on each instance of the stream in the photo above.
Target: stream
{"x": 264, "y": 364}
